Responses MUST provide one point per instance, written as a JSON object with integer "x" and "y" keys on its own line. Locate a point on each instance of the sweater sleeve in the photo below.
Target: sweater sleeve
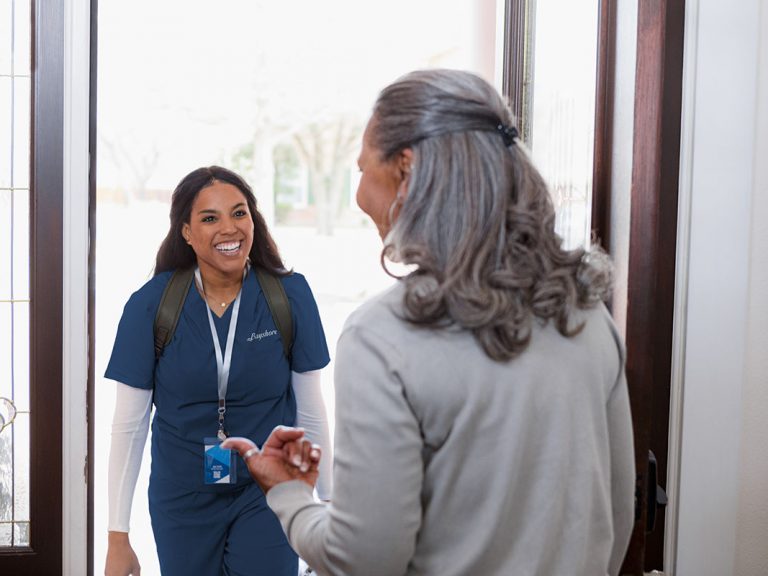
{"x": 311, "y": 415}
{"x": 130, "y": 425}
{"x": 371, "y": 525}
{"x": 622, "y": 471}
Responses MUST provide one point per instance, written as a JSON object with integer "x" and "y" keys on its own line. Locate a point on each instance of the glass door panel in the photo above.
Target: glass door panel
{"x": 562, "y": 111}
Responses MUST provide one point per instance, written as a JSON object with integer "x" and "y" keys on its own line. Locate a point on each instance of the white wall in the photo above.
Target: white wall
{"x": 752, "y": 516}
{"x": 722, "y": 524}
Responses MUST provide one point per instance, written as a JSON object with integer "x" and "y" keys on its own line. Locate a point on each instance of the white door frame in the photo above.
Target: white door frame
{"x": 77, "y": 75}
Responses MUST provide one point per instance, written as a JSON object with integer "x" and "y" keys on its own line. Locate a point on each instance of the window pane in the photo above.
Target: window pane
{"x": 20, "y": 254}
{"x": 6, "y": 23}
{"x": 15, "y": 122}
{"x": 6, "y": 131}
{"x": 21, "y": 132}
{"x": 22, "y": 37}
{"x": 21, "y": 467}
{"x": 6, "y": 467}
{"x": 21, "y": 356}
{"x": 6, "y": 351}
{"x": 6, "y": 533}
{"x": 563, "y": 117}
{"x": 6, "y": 235}
{"x": 21, "y": 534}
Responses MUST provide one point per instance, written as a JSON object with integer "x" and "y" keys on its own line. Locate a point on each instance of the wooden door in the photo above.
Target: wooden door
{"x": 652, "y": 247}
{"x": 653, "y": 228}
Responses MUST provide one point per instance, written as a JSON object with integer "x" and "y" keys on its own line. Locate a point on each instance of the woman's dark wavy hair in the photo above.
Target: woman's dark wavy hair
{"x": 174, "y": 252}
{"x": 477, "y": 220}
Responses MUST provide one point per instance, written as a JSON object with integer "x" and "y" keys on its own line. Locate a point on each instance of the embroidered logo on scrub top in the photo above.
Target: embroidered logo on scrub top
{"x": 260, "y": 335}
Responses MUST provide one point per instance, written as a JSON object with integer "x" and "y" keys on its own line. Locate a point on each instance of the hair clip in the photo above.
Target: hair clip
{"x": 508, "y": 134}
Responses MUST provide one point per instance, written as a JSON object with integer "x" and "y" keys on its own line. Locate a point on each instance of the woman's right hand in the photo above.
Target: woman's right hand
{"x": 121, "y": 559}
{"x": 285, "y": 455}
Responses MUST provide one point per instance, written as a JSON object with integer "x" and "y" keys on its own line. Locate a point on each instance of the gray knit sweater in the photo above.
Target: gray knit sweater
{"x": 447, "y": 463}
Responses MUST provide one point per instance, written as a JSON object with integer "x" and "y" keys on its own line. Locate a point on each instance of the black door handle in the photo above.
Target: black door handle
{"x": 657, "y": 497}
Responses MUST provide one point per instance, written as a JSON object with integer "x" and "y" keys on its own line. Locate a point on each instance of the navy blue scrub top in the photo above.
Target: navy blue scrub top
{"x": 259, "y": 396}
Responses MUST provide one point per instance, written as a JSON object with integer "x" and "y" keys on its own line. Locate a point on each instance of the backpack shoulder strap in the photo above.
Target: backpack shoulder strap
{"x": 278, "y": 306}
{"x": 169, "y": 311}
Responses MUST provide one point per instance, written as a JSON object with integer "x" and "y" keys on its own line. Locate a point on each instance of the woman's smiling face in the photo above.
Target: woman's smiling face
{"x": 220, "y": 230}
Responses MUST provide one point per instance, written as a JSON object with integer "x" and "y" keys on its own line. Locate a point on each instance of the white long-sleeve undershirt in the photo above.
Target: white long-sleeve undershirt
{"x": 311, "y": 415}
{"x": 130, "y": 426}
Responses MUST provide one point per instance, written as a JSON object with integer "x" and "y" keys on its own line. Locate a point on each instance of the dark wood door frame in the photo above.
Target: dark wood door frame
{"x": 652, "y": 254}
{"x": 604, "y": 113}
{"x": 44, "y": 555}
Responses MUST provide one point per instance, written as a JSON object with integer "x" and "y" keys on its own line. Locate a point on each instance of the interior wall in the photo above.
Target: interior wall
{"x": 752, "y": 518}
{"x": 721, "y": 438}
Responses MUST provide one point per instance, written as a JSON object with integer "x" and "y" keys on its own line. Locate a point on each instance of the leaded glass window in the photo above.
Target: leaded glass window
{"x": 15, "y": 125}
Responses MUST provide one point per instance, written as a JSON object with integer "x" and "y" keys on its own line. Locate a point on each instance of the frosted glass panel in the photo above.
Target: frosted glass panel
{"x": 15, "y": 123}
{"x": 6, "y": 530}
{"x": 6, "y": 233}
{"x": 6, "y": 131}
{"x": 21, "y": 130}
{"x": 20, "y": 244}
{"x": 21, "y": 467}
{"x": 21, "y": 356}
{"x": 22, "y": 31}
{"x": 6, "y": 352}
{"x": 21, "y": 534}
{"x": 6, "y": 20}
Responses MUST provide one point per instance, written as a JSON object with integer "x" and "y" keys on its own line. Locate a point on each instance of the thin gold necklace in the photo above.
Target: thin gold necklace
{"x": 223, "y": 304}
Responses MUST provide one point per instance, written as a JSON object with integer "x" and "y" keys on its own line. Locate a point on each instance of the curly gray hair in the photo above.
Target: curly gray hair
{"x": 477, "y": 221}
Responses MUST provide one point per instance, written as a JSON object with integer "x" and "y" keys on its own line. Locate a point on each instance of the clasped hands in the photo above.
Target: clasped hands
{"x": 286, "y": 455}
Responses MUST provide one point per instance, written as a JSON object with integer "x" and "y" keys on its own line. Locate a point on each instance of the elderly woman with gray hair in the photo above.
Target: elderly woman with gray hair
{"x": 483, "y": 422}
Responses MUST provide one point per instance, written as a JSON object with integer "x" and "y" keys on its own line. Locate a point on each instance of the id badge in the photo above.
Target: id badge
{"x": 219, "y": 463}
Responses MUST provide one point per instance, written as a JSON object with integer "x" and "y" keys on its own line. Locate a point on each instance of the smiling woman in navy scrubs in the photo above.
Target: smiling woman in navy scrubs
{"x": 204, "y": 525}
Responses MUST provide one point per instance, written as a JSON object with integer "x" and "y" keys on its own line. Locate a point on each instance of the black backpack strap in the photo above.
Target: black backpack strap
{"x": 169, "y": 311}
{"x": 278, "y": 306}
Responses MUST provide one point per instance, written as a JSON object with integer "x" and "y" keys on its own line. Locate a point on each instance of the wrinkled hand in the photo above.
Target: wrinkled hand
{"x": 286, "y": 455}
{"x": 121, "y": 559}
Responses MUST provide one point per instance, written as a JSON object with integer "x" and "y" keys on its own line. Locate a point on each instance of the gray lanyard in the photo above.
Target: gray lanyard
{"x": 223, "y": 362}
